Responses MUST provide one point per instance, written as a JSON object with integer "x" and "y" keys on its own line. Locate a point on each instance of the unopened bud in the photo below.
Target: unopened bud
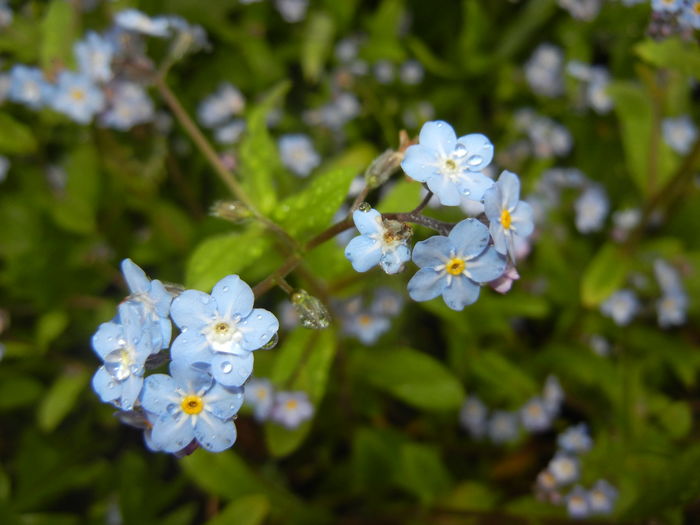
{"x": 234, "y": 211}
{"x": 311, "y": 311}
{"x": 382, "y": 168}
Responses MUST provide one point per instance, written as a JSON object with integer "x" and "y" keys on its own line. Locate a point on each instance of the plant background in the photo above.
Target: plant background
{"x": 385, "y": 445}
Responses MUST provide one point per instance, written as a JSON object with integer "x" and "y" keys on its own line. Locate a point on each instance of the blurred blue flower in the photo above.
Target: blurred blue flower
{"x": 621, "y": 307}
{"x": 387, "y": 302}
{"x": 679, "y": 133}
{"x": 473, "y": 416}
{"x": 123, "y": 345}
{"x": 154, "y": 300}
{"x": 221, "y": 105}
{"x": 94, "y": 55}
{"x": 455, "y": 265}
{"x": 509, "y": 217}
{"x": 221, "y": 330}
{"x": 602, "y": 497}
{"x": 230, "y": 132}
{"x": 298, "y": 154}
{"x": 382, "y": 242}
{"x": 591, "y": 208}
{"x": 292, "y": 10}
{"x": 691, "y": 14}
{"x": 28, "y": 87}
{"x": 260, "y": 395}
{"x": 188, "y": 404}
{"x": 139, "y": 22}
{"x": 77, "y": 97}
{"x": 291, "y": 409}
{"x": 669, "y": 6}
{"x": 671, "y": 309}
{"x": 575, "y": 439}
{"x": 534, "y": 415}
{"x": 129, "y": 106}
{"x": 450, "y": 166}
{"x": 503, "y": 427}
{"x": 577, "y": 504}
{"x": 552, "y": 394}
{"x": 564, "y": 467}
{"x": 544, "y": 70}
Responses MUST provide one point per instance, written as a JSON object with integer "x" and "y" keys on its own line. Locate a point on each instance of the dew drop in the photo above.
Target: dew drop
{"x": 466, "y": 192}
{"x": 171, "y": 409}
{"x": 364, "y": 206}
{"x": 475, "y": 160}
{"x": 226, "y": 367}
{"x": 111, "y": 384}
{"x": 460, "y": 151}
{"x": 225, "y": 288}
{"x": 258, "y": 317}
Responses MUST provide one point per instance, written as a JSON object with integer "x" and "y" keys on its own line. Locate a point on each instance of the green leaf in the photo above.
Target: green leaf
{"x": 375, "y": 457}
{"x": 531, "y": 18}
{"x": 16, "y": 138}
{"x": 676, "y": 417}
{"x": 75, "y": 211}
{"x": 671, "y": 53}
{"x": 312, "y": 208}
{"x": 60, "y": 399}
{"x": 422, "y": 472}
{"x": 49, "y": 327}
{"x": 413, "y": 377}
{"x": 222, "y": 255}
{"x": 17, "y": 391}
{"x": 470, "y": 495}
{"x": 260, "y": 161}
{"x": 403, "y": 196}
{"x": 318, "y": 40}
{"x": 504, "y": 379}
{"x": 303, "y": 363}
{"x": 58, "y": 31}
{"x": 248, "y": 510}
{"x": 224, "y": 474}
{"x": 604, "y": 275}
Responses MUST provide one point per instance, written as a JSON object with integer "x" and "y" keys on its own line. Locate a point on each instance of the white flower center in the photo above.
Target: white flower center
{"x": 223, "y": 335}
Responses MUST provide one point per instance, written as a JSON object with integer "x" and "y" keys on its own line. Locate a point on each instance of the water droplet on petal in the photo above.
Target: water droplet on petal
{"x": 258, "y": 317}
{"x": 466, "y": 192}
{"x": 364, "y": 206}
{"x": 475, "y": 160}
{"x": 171, "y": 409}
{"x": 225, "y": 288}
{"x": 204, "y": 299}
{"x": 226, "y": 367}
{"x": 460, "y": 151}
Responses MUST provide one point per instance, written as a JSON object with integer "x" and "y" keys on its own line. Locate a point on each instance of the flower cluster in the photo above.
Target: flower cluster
{"x": 289, "y": 409}
{"x": 565, "y": 468}
{"x": 211, "y": 359}
{"x": 471, "y": 254}
{"x": 502, "y": 426}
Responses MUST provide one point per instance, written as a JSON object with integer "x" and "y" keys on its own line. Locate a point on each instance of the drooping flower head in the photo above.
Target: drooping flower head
{"x": 221, "y": 330}
{"x": 382, "y": 242}
{"x": 188, "y": 404}
{"x": 450, "y": 166}
{"x": 455, "y": 266}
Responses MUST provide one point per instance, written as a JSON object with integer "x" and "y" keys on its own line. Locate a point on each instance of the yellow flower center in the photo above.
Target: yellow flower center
{"x": 291, "y": 404}
{"x": 364, "y": 319}
{"x": 77, "y": 95}
{"x": 455, "y": 266}
{"x": 505, "y": 219}
{"x": 451, "y": 165}
{"x": 696, "y": 8}
{"x": 221, "y": 328}
{"x": 192, "y": 405}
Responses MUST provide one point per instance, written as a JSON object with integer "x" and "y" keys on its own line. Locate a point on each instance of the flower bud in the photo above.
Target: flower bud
{"x": 382, "y": 168}
{"x": 312, "y": 312}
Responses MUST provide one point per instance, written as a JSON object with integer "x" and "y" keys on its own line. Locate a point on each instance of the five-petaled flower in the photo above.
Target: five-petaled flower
{"x": 382, "y": 241}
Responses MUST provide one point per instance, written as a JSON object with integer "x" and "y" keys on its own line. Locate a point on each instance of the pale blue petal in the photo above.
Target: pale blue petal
{"x": 223, "y": 403}
{"x": 170, "y": 434}
{"x": 432, "y": 252}
{"x": 233, "y": 297}
{"x": 445, "y": 190}
{"x": 521, "y": 219}
{"x": 191, "y": 348}
{"x": 500, "y": 239}
{"x": 192, "y": 379}
{"x": 165, "y": 328}
{"x": 232, "y": 370}
{"x": 213, "y": 434}
{"x": 469, "y": 238}
{"x": 131, "y": 388}
{"x": 159, "y": 392}
{"x": 479, "y": 150}
{"x": 105, "y": 386}
{"x": 368, "y": 222}
{"x": 426, "y": 284}
{"x": 131, "y": 315}
{"x": 392, "y": 261}
{"x": 488, "y": 266}
{"x": 460, "y": 293}
{"x": 419, "y": 162}
{"x": 474, "y": 185}
{"x": 493, "y": 203}
{"x": 193, "y": 309}
{"x": 162, "y": 298}
{"x": 135, "y": 277}
{"x": 510, "y": 189}
{"x": 106, "y": 339}
{"x": 363, "y": 253}
{"x": 258, "y": 328}
{"x": 439, "y": 136}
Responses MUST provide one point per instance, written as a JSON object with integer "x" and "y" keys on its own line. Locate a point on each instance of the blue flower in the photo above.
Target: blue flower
{"x": 291, "y": 409}
{"x": 503, "y": 427}
{"x": 455, "y": 265}
{"x": 94, "y": 54}
{"x": 218, "y": 107}
{"x": 591, "y": 209}
{"x": 564, "y": 467}
{"x": 669, "y": 6}
{"x": 679, "y": 133}
{"x": 575, "y": 439}
{"x": 78, "y": 97}
{"x": 27, "y": 86}
{"x": 153, "y": 299}
{"x": 129, "y": 105}
{"x": 509, "y": 217}
{"x": 543, "y": 71}
{"x": 535, "y": 416}
{"x": 577, "y": 503}
{"x": 298, "y": 154}
{"x": 473, "y": 416}
{"x": 221, "y": 330}
{"x": 260, "y": 395}
{"x": 230, "y": 133}
{"x": 691, "y": 14}
{"x": 139, "y": 22}
{"x": 382, "y": 242}
{"x": 124, "y": 347}
{"x": 292, "y": 10}
{"x": 602, "y": 497}
{"x": 190, "y": 405}
{"x": 621, "y": 306}
{"x": 450, "y": 166}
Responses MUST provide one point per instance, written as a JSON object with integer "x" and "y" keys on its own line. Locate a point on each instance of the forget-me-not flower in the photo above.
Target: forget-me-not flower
{"x": 535, "y": 416}
{"x": 669, "y": 6}
{"x": 577, "y": 504}
{"x": 94, "y": 55}
{"x": 509, "y": 217}
{"x": 450, "y": 166}
{"x": 130, "y": 105}
{"x": 543, "y": 70}
{"x": 77, "y": 97}
{"x": 298, "y": 154}
{"x": 124, "y": 345}
{"x": 139, "y": 22}
{"x": 28, "y": 86}
{"x": 291, "y": 409}
{"x": 591, "y": 208}
{"x": 503, "y": 427}
{"x": 575, "y": 439}
{"x": 382, "y": 242}
{"x": 679, "y": 133}
{"x": 292, "y": 10}
{"x": 564, "y": 467}
{"x": 260, "y": 395}
{"x": 601, "y": 497}
{"x": 690, "y": 16}
{"x": 473, "y": 416}
{"x": 621, "y": 306}
{"x": 221, "y": 105}
{"x": 455, "y": 265}
{"x": 221, "y": 330}
{"x": 188, "y": 404}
